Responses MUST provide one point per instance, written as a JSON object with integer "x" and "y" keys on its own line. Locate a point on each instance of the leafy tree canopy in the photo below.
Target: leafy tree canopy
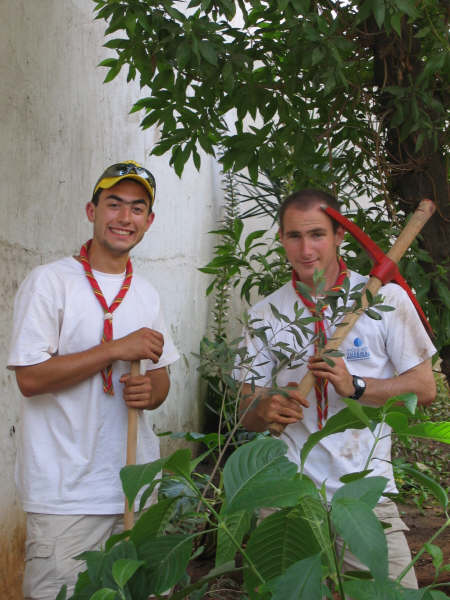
{"x": 349, "y": 95}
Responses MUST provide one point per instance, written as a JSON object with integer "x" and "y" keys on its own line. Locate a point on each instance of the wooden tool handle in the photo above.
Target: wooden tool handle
{"x": 128, "y": 516}
{"x": 418, "y": 219}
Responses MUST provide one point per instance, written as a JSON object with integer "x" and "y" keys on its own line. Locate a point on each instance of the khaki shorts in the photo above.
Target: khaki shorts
{"x": 52, "y": 542}
{"x": 398, "y": 550}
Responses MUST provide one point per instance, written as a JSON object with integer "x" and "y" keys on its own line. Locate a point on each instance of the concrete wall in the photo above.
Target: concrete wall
{"x": 59, "y": 127}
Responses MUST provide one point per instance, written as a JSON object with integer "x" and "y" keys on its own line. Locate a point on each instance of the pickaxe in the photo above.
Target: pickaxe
{"x": 384, "y": 271}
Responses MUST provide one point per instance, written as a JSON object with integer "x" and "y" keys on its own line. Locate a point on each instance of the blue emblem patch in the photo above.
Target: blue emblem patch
{"x": 358, "y": 351}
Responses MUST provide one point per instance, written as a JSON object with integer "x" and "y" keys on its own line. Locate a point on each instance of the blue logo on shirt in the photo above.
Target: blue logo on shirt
{"x": 358, "y": 351}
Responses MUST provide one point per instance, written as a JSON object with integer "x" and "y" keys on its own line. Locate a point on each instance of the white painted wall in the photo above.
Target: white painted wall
{"x": 59, "y": 127}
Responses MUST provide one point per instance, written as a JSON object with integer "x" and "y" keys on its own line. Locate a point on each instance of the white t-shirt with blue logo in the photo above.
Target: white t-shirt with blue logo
{"x": 378, "y": 349}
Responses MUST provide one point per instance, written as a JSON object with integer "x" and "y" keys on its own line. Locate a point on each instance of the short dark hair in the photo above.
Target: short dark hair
{"x": 96, "y": 196}
{"x": 305, "y": 199}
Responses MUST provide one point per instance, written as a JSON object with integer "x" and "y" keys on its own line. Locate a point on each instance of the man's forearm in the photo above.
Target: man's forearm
{"x": 418, "y": 380}
{"x": 62, "y": 372}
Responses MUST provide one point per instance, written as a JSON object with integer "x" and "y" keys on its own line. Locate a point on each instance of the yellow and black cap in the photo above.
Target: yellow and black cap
{"x": 127, "y": 169}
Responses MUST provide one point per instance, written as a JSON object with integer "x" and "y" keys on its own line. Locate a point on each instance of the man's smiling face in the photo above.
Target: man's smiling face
{"x": 121, "y": 217}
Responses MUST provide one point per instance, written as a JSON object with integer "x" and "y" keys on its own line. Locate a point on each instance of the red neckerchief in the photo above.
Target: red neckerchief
{"x": 108, "y": 310}
{"x": 321, "y": 385}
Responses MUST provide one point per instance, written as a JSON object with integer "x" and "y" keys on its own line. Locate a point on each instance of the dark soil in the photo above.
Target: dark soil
{"x": 423, "y": 523}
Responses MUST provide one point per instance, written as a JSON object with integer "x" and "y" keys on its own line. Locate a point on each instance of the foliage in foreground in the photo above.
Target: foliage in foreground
{"x": 291, "y": 553}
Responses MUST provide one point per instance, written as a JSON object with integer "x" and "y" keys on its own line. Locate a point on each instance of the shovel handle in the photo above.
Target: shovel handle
{"x": 415, "y": 224}
{"x": 128, "y": 516}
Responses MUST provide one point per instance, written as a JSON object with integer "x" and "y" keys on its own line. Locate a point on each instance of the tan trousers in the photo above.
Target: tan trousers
{"x": 53, "y": 541}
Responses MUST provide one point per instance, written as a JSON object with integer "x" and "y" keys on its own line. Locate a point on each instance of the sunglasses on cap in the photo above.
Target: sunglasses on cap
{"x": 119, "y": 171}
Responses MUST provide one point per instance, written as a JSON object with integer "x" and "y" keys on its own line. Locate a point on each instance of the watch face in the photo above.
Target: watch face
{"x": 359, "y": 382}
{"x": 359, "y": 385}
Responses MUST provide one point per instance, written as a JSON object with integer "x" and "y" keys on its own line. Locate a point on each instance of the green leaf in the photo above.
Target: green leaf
{"x": 372, "y": 314}
{"x": 238, "y": 227}
{"x": 396, "y": 23}
{"x": 355, "y": 476}
{"x": 410, "y": 402}
{"x": 167, "y": 557}
{"x": 253, "y": 236}
{"x": 433, "y": 486}
{"x": 124, "y": 569}
{"x": 180, "y": 463}
{"x": 258, "y": 493}
{"x": 259, "y": 465}
{"x": 436, "y": 595}
{"x": 183, "y": 54}
{"x": 356, "y": 408}
{"x": 315, "y": 514}
{"x": 384, "y": 308}
{"x": 104, "y": 594}
{"x": 443, "y": 291}
{"x": 279, "y": 541}
{"x": 440, "y": 432}
{"x": 345, "y": 419}
{"x": 378, "y": 590}
{"x": 237, "y": 524}
{"x": 436, "y": 554}
{"x": 367, "y": 490}
{"x": 108, "y": 62}
{"x": 95, "y": 562}
{"x": 153, "y": 521}
{"x": 134, "y": 477}
{"x": 361, "y": 530}
{"x": 62, "y": 593}
{"x": 116, "y": 43}
{"x": 300, "y": 580}
{"x": 208, "y": 52}
{"x": 407, "y": 6}
{"x": 398, "y": 421}
{"x": 379, "y": 11}
{"x": 131, "y": 22}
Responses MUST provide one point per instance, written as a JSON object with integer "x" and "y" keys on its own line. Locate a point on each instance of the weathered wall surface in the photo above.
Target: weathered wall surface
{"x": 59, "y": 127}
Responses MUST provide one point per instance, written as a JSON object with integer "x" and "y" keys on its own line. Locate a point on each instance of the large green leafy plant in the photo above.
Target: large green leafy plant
{"x": 291, "y": 553}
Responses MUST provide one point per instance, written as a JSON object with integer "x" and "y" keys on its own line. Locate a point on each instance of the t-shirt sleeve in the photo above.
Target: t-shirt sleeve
{"x": 36, "y": 325}
{"x": 407, "y": 342}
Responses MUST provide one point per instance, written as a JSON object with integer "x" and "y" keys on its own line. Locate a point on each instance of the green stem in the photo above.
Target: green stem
{"x": 221, "y": 523}
{"x": 336, "y": 564}
{"x": 422, "y": 550}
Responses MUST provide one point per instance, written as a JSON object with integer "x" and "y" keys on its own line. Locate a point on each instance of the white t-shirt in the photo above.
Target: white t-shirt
{"x": 72, "y": 444}
{"x": 379, "y": 349}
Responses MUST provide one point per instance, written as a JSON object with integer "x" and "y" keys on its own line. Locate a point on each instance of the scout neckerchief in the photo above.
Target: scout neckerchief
{"x": 108, "y": 310}
{"x": 320, "y": 384}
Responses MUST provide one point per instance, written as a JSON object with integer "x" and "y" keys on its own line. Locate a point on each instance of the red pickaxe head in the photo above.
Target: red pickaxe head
{"x": 384, "y": 269}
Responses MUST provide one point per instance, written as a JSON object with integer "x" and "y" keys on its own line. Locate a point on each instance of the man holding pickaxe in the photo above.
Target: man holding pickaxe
{"x": 78, "y": 322}
{"x": 381, "y": 359}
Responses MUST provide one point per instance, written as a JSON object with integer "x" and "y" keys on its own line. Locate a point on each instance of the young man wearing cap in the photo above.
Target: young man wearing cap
{"x": 381, "y": 359}
{"x": 78, "y": 322}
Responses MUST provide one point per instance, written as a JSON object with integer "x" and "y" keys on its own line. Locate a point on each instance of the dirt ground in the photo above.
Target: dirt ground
{"x": 422, "y": 525}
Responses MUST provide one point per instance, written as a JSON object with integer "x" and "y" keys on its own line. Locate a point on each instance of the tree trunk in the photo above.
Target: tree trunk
{"x": 415, "y": 175}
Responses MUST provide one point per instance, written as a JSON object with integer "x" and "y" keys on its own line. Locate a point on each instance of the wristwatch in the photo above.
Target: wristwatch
{"x": 360, "y": 387}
